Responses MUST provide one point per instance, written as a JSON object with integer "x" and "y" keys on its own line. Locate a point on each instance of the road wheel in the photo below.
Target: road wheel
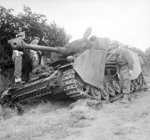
{"x": 105, "y": 94}
{"x": 110, "y": 89}
{"x": 116, "y": 86}
{"x": 96, "y": 93}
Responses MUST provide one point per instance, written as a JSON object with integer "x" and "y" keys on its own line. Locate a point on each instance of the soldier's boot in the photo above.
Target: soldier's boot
{"x": 18, "y": 80}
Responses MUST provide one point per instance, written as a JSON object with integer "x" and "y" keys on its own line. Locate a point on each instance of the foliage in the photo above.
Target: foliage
{"x": 33, "y": 24}
{"x": 7, "y": 31}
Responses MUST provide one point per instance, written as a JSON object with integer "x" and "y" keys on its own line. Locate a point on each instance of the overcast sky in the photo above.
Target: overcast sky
{"x": 127, "y": 21}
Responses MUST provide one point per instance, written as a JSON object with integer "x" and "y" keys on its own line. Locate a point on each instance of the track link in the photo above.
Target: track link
{"x": 69, "y": 83}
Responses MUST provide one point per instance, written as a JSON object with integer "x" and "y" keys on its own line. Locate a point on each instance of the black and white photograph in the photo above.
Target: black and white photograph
{"x": 74, "y": 69}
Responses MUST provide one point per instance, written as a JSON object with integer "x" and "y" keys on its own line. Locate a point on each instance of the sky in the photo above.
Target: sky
{"x": 127, "y": 21}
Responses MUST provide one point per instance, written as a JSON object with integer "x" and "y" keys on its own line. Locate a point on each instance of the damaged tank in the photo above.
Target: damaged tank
{"x": 92, "y": 74}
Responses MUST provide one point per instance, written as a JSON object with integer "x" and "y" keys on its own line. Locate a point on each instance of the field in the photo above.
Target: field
{"x": 62, "y": 121}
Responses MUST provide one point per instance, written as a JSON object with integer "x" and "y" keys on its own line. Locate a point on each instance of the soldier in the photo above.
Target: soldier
{"x": 35, "y": 55}
{"x": 142, "y": 67}
{"x": 17, "y": 59}
{"x": 125, "y": 69}
{"x": 31, "y": 60}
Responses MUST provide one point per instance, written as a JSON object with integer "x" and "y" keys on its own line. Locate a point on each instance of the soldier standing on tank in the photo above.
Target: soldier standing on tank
{"x": 125, "y": 69}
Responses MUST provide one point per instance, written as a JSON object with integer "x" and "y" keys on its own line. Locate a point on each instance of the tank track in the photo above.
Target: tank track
{"x": 34, "y": 90}
{"x": 69, "y": 83}
{"x": 72, "y": 90}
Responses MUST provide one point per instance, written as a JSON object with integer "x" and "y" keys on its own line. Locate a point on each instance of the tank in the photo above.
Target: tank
{"x": 91, "y": 74}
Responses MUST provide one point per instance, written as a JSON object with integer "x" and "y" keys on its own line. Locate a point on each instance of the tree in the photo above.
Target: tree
{"x": 33, "y": 24}
{"x": 36, "y": 25}
{"x": 7, "y": 31}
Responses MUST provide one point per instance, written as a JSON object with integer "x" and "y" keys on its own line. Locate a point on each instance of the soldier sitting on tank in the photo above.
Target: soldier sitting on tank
{"x": 17, "y": 59}
{"x": 31, "y": 61}
{"x": 125, "y": 69}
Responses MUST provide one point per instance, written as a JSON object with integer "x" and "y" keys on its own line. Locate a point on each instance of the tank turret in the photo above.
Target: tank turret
{"x": 75, "y": 47}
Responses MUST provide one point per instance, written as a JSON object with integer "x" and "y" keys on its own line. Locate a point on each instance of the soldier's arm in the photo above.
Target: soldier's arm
{"x": 129, "y": 59}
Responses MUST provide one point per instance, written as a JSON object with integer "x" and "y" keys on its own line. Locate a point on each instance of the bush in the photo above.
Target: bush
{"x": 33, "y": 24}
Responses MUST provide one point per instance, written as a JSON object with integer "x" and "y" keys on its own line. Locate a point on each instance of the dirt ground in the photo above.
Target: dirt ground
{"x": 57, "y": 121}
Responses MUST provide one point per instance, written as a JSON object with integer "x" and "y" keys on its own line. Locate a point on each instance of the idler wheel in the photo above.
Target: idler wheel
{"x": 96, "y": 93}
{"x": 137, "y": 86}
{"x": 110, "y": 89}
{"x": 140, "y": 79}
{"x": 105, "y": 94}
{"x": 116, "y": 86}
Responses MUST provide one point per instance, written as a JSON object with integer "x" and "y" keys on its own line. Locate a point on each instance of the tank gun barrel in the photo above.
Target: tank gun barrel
{"x": 60, "y": 50}
{"x": 20, "y": 44}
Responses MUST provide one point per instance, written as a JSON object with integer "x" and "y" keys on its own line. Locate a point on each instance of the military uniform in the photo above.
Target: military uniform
{"x": 34, "y": 55}
{"x": 142, "y": 67}
{"x": 125, "y": 67}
